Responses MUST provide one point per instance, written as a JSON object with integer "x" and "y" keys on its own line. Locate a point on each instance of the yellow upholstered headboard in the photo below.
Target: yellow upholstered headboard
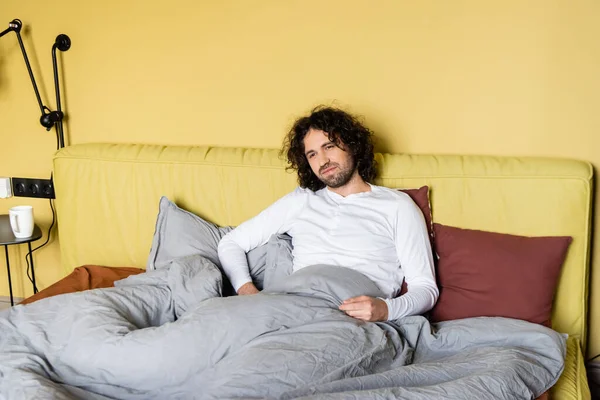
{"x": 107, "y": 200}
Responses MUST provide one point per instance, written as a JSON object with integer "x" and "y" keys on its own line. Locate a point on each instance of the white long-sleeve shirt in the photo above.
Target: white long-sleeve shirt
{"x": 380, "y": 233}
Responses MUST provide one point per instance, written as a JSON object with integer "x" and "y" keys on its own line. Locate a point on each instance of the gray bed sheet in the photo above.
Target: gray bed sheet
{"x": 169, "y": 333}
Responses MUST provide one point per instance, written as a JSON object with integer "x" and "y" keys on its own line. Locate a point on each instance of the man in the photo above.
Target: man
{"x": 337, "y": 217}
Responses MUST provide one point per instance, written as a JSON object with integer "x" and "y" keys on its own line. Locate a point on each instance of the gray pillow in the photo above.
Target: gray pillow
{"x": 180, "y": 233}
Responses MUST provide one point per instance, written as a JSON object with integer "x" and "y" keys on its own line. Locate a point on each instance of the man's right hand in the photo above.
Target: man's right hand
{"x": 247, "y": 288}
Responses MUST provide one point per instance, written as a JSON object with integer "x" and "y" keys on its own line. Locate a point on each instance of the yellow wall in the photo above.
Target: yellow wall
{"x": 463, "y": 76}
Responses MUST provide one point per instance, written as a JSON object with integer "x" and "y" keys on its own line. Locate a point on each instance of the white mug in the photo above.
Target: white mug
{"x": 21, "y": 221}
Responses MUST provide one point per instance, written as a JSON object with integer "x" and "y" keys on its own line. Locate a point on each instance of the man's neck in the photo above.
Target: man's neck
{"x": 355, "y": 185}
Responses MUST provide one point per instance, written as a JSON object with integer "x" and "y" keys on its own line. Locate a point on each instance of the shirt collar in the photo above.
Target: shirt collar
{"x": 338, "y": 197}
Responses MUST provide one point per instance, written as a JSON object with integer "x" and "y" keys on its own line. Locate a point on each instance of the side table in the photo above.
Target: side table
{"x": 7, "y": 238}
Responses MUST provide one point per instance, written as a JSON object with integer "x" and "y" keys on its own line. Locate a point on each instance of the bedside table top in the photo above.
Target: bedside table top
{"x": 7, "y": 237}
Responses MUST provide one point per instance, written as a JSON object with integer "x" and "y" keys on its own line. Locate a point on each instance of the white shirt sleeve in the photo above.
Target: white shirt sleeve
{"x": 255, "y": 232}
{"x": 416, "y": 260}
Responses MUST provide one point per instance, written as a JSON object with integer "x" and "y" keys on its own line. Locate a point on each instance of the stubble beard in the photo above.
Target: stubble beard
{"x": 340, "y": 179}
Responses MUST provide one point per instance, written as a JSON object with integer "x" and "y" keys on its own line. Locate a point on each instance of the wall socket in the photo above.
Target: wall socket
{"x": 31, "y": 187}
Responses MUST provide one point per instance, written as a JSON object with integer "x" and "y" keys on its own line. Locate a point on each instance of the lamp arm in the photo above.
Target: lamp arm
{"x": 4, "y": 32}
{"x": 62, "y": 43}
{"x": 12, "y": 26}
{"x": 15, "y": 25}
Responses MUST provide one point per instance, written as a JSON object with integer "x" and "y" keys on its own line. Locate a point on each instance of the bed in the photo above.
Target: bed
{"x": 108, "y": 200}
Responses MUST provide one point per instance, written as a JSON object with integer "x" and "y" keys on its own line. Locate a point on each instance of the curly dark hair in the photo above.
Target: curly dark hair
{"x": 340, "y": 126}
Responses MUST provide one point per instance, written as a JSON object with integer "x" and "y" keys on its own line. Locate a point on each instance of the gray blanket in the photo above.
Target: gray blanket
{"x": 170, "y": 334}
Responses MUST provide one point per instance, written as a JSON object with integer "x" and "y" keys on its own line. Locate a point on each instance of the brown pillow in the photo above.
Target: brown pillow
{"x": 496, "y": 275}
{"x": 84, "y": 278}
{"x": 421, "y": 198}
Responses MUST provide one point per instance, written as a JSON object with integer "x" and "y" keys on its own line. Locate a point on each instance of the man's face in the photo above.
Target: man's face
{"x": 332, "y": 165}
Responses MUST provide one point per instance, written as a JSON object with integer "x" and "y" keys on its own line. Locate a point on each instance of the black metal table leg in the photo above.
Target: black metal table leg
{"x": 12, "y": 302}
{"x": 32, "y": 269}
{"x": 7, "y": 238}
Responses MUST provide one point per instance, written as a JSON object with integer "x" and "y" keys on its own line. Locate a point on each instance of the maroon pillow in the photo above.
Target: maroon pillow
{"x": 421, "y": 198}
{"x": 496, "y": 275}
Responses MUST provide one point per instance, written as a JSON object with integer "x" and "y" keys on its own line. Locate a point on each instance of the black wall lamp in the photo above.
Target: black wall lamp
{"x": 41, "y": 188}
{"x": 48, "y": 118}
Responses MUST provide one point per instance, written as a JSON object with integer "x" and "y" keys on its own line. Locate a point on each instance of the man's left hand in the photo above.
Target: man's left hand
{"x": 365, "y": 308}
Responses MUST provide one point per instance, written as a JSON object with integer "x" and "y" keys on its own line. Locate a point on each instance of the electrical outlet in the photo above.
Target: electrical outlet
{"x": 31, "y": 187}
